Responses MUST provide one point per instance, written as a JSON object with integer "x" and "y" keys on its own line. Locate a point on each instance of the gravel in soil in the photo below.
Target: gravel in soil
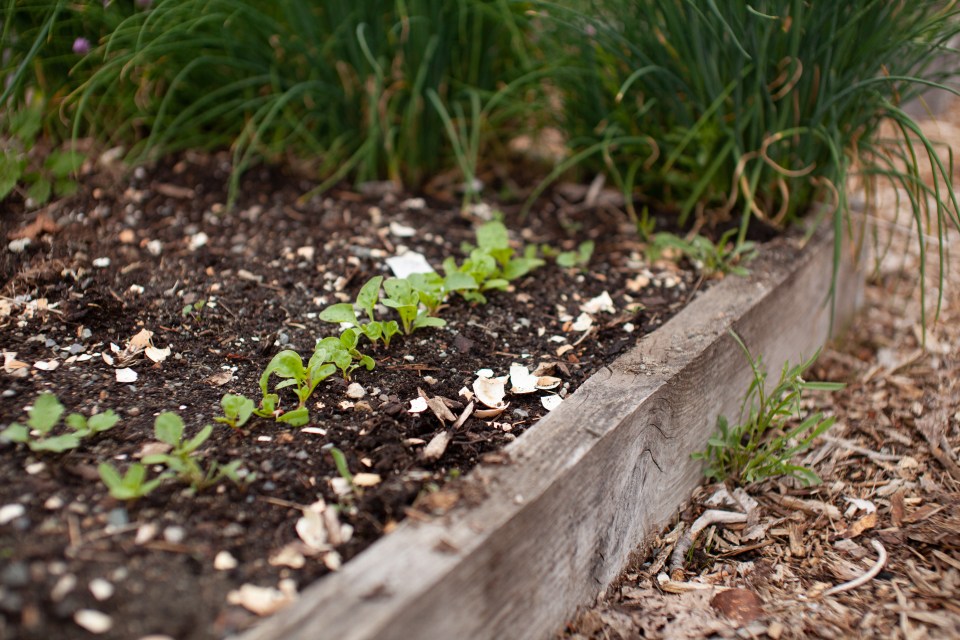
{"x": 156, "y": 251}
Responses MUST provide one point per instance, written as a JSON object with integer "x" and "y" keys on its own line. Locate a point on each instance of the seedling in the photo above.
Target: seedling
{"x": 569, "y": 259}
{"x": 44, "y": 415}
{"x": 762, "y": 444}
{"x": 130, "y": 486}
{"x": 343, "y": 313}
{"x": 724, "y": 257}
{"x": 39, "y": 182}
{"x": 492, "y": 264}
{"x": 342, "y": 352}
{"x": 183, "y": 459}
{"x": 402, "y": 297}
{"x": 237, "y": 409}
{"x": 288, "y": 365}
{"x": 193, "y": 309}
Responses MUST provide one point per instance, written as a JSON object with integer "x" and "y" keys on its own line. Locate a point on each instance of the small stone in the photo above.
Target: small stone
{"x": 64, "y": 585}
{"x": 93, "y": 621}
{"x": 10, "y": 512}
{"x": 75, "y": 349}
{"x": 101, "y": 263}
{"x": 53, "y": 503}
{"x": 34, "y": 468}
{"x": 155, "y": 247}
{"x": 174, "y": 535}
{"x": 146, "y": 533}
{"x": 118, "y": 517}
{"x": 356, "y": 391}
{"x": 224, "y": 561}
{"x": 101, "y": 589}
{"x": 15, "y": 574}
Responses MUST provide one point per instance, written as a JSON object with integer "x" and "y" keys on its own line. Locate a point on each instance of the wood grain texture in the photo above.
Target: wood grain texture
{"x": 587, "y": 484}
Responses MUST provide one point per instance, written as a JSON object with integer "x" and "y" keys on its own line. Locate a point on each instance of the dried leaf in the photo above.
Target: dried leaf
{"x": 437, "y": 446}
{"x": 741, "y": 605}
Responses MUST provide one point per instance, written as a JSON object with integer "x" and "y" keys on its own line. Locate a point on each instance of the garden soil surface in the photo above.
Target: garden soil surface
{"x": 874, "y": 551}
{"x": 155, "y": 251}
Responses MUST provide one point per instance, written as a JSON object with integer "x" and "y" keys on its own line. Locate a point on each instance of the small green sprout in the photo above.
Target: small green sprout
{"x": 724, "y": 257}
{"x": 44, "y": 415}
{"x": 193, "y": 309}
{"x": 579, "y": 258}
{"x": 183, "y": 460}
{"x": 492, "y": 263}
{"x": 762, "y": 444}
{"x": 288, "y": 365}
{"x": 237, "y": 409}
{"x": 132, "y": 485}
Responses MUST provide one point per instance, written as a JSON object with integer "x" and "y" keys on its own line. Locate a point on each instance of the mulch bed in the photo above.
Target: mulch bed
{"x": 128, "y": 254}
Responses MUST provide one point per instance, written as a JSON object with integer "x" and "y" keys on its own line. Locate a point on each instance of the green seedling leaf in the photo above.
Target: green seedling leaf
{"x": 340, "y": 462}
{"x": 493, "y": 236}
{"x": 168, "y": 428}
{"x": 296, "y": 418}
{"x": 78, "y": 423}
{"x": 194, "y": 443}
{"x": 373, "y": 331}
{"x": 339, "y": 313}
{"x": 102, "y": 421}
{"x": 11, "y": 168}
{"x": 131, "y": 485}
{"x": 368, "y": 296}
{"x": 268, "y": 406}
{"x": 55, "y": 444}
{"x": 458, "y": 281}
{"x": 40, "y": 190}
{"x": 424, "y": 320}
{"x": 237, "y": 410}
{"x": 16, "y": 433}
{"x": 45, "y": 413}
{"x": 63, "y": 163}
{"x": 349, "y": 339}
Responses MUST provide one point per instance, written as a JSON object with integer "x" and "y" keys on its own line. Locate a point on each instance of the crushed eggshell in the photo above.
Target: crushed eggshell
{"x": 408, "y": 263}
{"x": 157, "y": 355}
{"x": 126, "y": 375}
{"x": 602, "y": 302}
{"x": 551, "y": 402}
{"x": 418, "y": 405}
{"x": 311, "y": 527}
{"x": 46, "y": 365}
{"x": 288, "y": 556}
{"x": 583, "y": 322}
{"x": 264, "y": 601}
{"x": 401, "y": 230}
{"x": 366, "y": 479}
{"x": 224, "y": 561}
{"x": 490, "y": 391}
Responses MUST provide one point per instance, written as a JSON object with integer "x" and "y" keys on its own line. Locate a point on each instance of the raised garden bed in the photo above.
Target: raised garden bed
{"x": 555, "y": 517}
{"x": 113, "y": 262}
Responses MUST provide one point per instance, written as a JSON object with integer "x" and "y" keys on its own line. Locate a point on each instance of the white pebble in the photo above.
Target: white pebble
{"x": 10, "y": 512}
{"x": 101, "y": 589}
{"x": 93, "y": 621}
{"x": 101, "y": 263}
{"x": 224, "y": 561}
{"x": 174, "y": 535}
{"x": 356, "y": 391}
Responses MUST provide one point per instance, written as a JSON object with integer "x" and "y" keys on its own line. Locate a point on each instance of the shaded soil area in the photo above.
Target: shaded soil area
{"x": 82, "y": 278}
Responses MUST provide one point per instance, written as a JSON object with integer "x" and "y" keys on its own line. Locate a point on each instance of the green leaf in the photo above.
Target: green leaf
{"x": 373, "y": 331}
{"x": 369, "y": 294}
{"x": 237, "y": 408}
{"x": 11, "y": 168}
{"x": 424, "y": 320}
{"x": 40, "y": 191}
{"x": 349, "y": 339}
{"x": 567, "y": 259}
{"x": 25, "y": 123}
{"x": 459, "y": 281}
{"x": 78, "y": 423}
{"x": 296, "y": 418}
{"x": 103, "y": 421}
{"x": 194, "y": 443}
{"x": 63, "y": 163}
{"x": 493, "y": 235}
{"x": 168, "y": 428}
{"x": 338, "y": 313}
{"x": 65, "y": 187}
{"x": 15, "y": 433}
{"x": 110, "y": 476}
{"x": 56, "y": 444}
{"x": 45, "y": 413}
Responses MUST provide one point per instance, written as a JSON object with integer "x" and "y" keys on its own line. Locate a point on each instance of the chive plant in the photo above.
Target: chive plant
{"x": 365, "y": 90}
{"x": 755, "y": 110}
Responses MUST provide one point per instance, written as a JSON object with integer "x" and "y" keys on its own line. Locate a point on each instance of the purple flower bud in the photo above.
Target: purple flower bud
{"x": 81, "y": 46}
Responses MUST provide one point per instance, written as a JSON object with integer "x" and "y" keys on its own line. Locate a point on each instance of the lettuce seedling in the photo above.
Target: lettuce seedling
{"x": 236, "y": 410}
{"x": 579, "y": 258}
{"x": 492, "y": 264}
{"x": 132, "y": 485}
{"x": 289, "y": 365}
{"x": 344, "y": 313}
{"x": 342, "y": 352}
{"x": 406, "y": 301}
{"x": 44, "y": 415}
{"x": 182, "y": 459}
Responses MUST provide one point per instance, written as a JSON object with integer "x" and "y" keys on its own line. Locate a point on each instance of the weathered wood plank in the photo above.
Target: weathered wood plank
{"x": 586, "y": 485}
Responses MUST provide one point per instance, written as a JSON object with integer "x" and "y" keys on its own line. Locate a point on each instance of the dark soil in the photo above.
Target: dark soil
{"x": 63, "y": 302}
